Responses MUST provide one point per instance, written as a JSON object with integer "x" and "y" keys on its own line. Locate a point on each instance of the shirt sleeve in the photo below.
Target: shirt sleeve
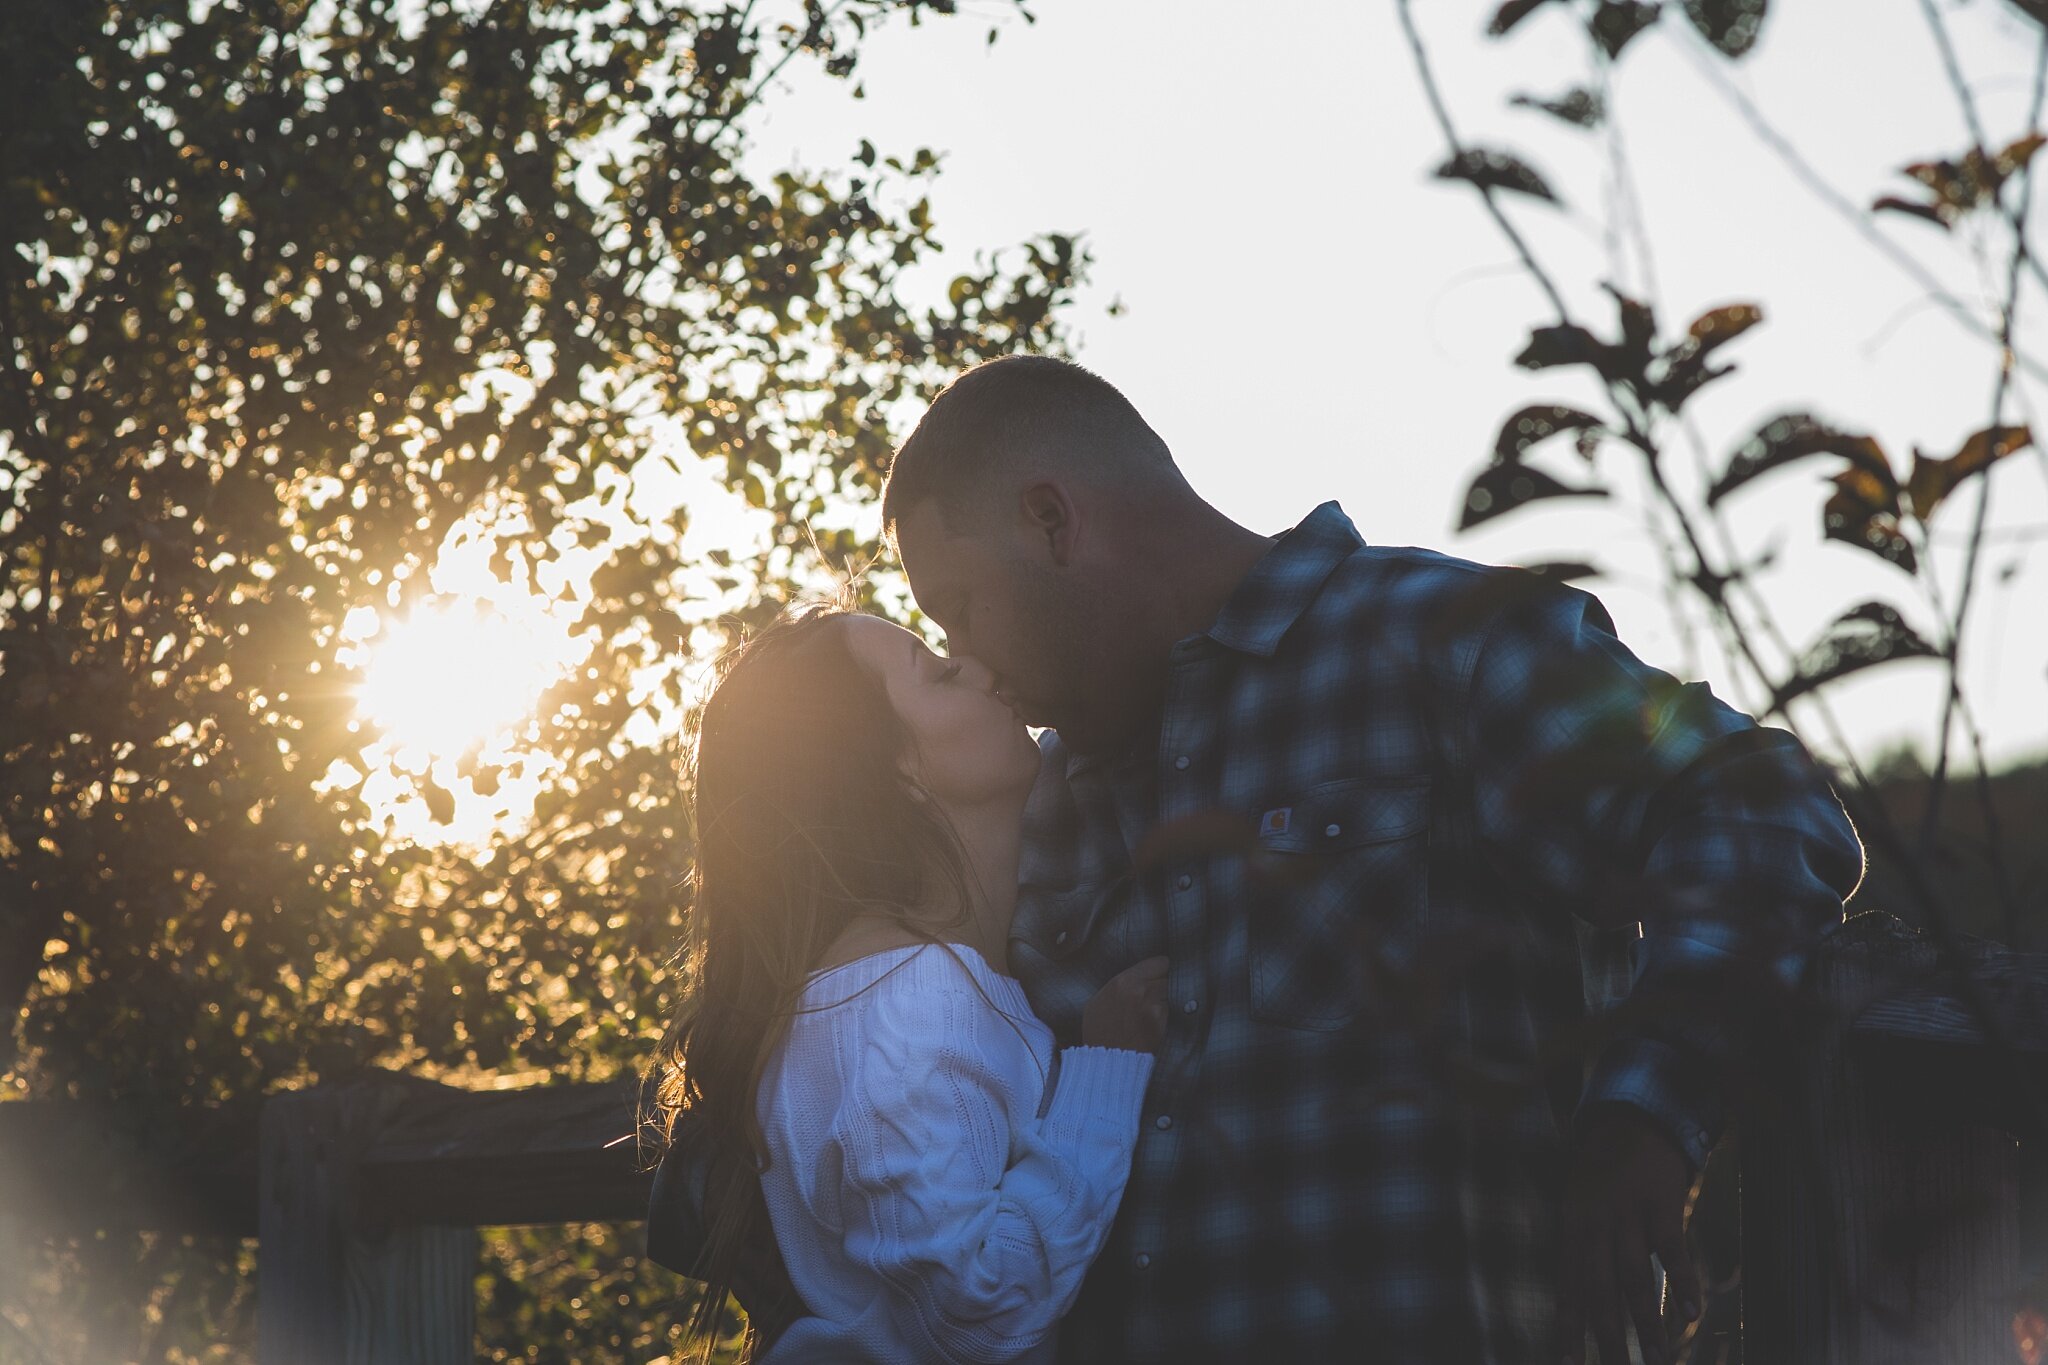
{"x": 977, "y": 1217}
{"x": 1609, "y": 789}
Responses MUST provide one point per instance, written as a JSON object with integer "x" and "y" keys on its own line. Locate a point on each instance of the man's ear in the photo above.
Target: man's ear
{"x": 1053, "y": 515}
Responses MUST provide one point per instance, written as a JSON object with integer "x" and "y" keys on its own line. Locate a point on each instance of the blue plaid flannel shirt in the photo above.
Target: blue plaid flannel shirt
{"x": 1393, "y": 800}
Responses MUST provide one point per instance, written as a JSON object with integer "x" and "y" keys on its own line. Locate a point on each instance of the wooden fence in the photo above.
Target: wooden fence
{"x": 1880, "y": 1212}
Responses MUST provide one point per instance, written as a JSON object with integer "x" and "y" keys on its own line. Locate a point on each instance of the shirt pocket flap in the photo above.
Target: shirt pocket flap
{"x": 1347, "y": 813}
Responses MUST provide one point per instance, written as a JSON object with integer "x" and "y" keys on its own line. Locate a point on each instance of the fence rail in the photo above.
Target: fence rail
{"x": 1879, "y": 1210}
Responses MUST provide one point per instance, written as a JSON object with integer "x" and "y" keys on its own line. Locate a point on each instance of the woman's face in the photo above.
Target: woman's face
{"x": 970, "y": 747}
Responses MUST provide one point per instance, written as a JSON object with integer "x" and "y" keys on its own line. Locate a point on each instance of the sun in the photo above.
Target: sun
{"x": 451, "y": 676}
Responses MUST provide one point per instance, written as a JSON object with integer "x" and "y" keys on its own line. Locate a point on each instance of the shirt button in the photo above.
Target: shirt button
{"x": 1141, "y": 1260}
{"x": 1059, "y": 940}
{"x": 1190, "y": 1006}
{"x": 1163, "y": 1122}
{"x": 1185, "y": 881}
{"x": 1181, "y": 763}
{"x": 1332, "y": 831}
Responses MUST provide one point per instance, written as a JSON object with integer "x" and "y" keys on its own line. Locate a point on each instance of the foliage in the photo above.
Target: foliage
{"x": 1955, "y": 868}
{"x": 289, "y": 290}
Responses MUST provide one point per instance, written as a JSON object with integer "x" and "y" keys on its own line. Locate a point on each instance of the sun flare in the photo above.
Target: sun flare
{"x": 450, "y": 677}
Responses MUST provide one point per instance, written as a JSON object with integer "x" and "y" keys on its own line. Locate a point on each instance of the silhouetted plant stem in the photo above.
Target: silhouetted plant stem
{"x": 1849, "y": 212}
{"x": 1952, "y": 652}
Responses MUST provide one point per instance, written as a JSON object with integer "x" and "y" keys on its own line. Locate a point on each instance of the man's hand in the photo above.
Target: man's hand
{"x": 1624, "y": 1199}
{"x": 1130, "y": 1011}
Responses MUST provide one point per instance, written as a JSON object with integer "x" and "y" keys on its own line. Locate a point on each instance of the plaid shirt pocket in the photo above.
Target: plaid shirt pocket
{"x": 1344, "y": 863}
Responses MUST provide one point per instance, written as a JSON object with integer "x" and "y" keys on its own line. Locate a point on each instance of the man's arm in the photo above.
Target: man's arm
{"x": 1610, "y": 791}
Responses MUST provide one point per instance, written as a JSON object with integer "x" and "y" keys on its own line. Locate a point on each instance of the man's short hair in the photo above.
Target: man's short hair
{"x": 1020, "y": 412}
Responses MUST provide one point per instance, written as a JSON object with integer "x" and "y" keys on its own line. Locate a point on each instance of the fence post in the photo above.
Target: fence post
{"x": 1879, "y": 1189}
{"x": 334, "y": 1289}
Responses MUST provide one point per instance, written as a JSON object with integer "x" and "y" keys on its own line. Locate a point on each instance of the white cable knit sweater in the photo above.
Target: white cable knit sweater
{"x": 926, "y": 1207}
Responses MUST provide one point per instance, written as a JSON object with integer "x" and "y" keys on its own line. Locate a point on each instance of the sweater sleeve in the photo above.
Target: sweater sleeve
{"x": 977, "y": 1217}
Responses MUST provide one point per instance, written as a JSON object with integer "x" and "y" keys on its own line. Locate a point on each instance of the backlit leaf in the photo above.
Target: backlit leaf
{"x": 1495, "y": 170}
{"x": 1963, "y": 184}
{"x": 1863, "y": 511}
{"x": 2018, "y": 153}
{"x": 1933, "y": 479}
{"x": 1871, "y": 634}
{"x": 1502, "y": 488}
{"x": 2029, "y": 1326}
{"x": 1684, "y": 367}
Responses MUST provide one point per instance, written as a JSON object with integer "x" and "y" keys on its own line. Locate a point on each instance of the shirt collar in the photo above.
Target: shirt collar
{"x": 1263, "y": 607}
{"x": 1281, "y": 585}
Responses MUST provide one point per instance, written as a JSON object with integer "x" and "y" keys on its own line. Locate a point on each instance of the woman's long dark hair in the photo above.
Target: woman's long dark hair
{"x": 804, "y": 820}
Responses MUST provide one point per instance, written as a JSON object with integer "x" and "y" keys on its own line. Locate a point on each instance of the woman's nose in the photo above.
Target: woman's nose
{"x": 979, "y": 673}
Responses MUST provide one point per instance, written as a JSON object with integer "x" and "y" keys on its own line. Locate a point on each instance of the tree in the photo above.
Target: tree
{"x": 291, "y": 290}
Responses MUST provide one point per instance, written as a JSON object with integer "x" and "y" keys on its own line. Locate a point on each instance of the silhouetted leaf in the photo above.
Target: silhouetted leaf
{"x": 1561, "y": 570}
{"x": 1495, "y": 170}
{"x": 1567, "y": 344}
{"x": 1577, "y": 105}
{"x": 1618, "y": 21}
{"x": 1638, "y": 330}
{"x": 1511, "y": 13}
{"x": 440, "y": 801}
{"x": 1934, "y": 479}
{"x": 1537, "y": 423}
{"x": 1502, "y": 488}
{"x": 1796, "y": 436}
{"x": 1730, "y": 25}
{"x": 1861, "y": 638}
{"x": 1891, "y": 203}
{"x": 1864, "y": 511}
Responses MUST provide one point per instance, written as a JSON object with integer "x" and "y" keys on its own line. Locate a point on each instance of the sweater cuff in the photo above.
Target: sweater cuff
{"x": 1100, "y": 1082}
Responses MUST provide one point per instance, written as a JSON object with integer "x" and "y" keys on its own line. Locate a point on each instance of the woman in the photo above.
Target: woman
{"x": 936, "y": 1175}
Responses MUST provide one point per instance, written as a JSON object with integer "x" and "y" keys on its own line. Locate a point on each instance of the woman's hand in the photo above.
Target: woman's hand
{"x": 1130, "y": 1011}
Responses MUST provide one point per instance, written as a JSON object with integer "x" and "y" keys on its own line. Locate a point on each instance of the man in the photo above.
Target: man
{"x": 1389, "y": 814}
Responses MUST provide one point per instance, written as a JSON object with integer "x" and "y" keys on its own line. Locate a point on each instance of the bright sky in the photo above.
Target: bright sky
{"x": 1307, "y": 314}
{"x": 1311, "y": 316}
